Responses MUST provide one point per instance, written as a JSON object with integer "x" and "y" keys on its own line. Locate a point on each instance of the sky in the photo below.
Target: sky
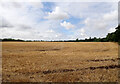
{"x": 57, "y": 20}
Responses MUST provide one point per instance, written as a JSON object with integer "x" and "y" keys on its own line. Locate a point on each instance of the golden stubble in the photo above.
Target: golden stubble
{"x": 59, "y": 62}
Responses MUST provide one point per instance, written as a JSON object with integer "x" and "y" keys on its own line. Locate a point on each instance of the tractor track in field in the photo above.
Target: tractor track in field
{"x": 72, "y": 70}
{"x": 78, "y": 69}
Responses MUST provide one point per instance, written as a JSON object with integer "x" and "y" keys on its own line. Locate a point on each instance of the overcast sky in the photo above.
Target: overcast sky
{"x": 57, "y": 20}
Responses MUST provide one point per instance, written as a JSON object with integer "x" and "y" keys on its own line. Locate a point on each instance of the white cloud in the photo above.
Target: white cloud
{"x": 79, "y": 33}
{"x": 36, "y": 4}
{"x": 82, "y": 32}
{"x": 57, "y": 14}
{"x": 67, "y": 25}
{"x": 87, "y": 21}
{"x": 25, "y": 20}
{"x": 19, "y": 15}
{"x": 111, "y": 30}
{"x": 101, "y": 25}
{"x": 95, "y": 23}
{"x": 112, "y": 16}
{"x": 21, "y": 20}
{"x": 49, "y": 31}
{"x": 59, "y": 0}
{"x": 87, "y": 9}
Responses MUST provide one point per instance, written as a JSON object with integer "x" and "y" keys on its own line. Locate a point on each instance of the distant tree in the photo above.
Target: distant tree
{"x": 117, "y": 34}
{"x": 114, "y": 36}
{"x": 77, "y": 40}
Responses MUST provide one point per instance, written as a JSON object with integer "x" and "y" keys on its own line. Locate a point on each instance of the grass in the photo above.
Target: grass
{"x": 60, "y": 62}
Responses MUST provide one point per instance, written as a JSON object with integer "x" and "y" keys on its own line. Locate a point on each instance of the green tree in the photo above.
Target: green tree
{"x": 77, "y": 40}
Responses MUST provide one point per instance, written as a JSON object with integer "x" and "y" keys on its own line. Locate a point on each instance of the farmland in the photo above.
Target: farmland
{"x": 60, "y": 62}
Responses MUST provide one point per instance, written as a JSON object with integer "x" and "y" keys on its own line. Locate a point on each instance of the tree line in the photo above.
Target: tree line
{"x": 111, "y": 37}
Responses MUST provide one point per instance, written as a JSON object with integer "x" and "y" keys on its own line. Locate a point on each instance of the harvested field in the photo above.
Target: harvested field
{"x": 60, "y": 62}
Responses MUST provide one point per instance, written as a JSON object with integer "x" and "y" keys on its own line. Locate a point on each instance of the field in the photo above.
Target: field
{"x": 60, "y": 62}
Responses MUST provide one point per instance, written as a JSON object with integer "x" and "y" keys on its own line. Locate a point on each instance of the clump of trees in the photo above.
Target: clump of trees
{"x": 93, "y": 40}
{"x": 115, "y": 36}
{"x": 10, "y": 39}
{"x": 111, "y": 37}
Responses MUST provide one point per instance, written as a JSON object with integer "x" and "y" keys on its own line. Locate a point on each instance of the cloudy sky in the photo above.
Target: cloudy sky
{"x": 57, "y": 20}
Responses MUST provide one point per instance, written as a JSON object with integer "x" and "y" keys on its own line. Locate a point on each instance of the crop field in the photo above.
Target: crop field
{"x": 60, "y": 62}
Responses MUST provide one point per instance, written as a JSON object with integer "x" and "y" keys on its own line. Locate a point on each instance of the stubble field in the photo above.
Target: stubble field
{"x": 60, "y": 62}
